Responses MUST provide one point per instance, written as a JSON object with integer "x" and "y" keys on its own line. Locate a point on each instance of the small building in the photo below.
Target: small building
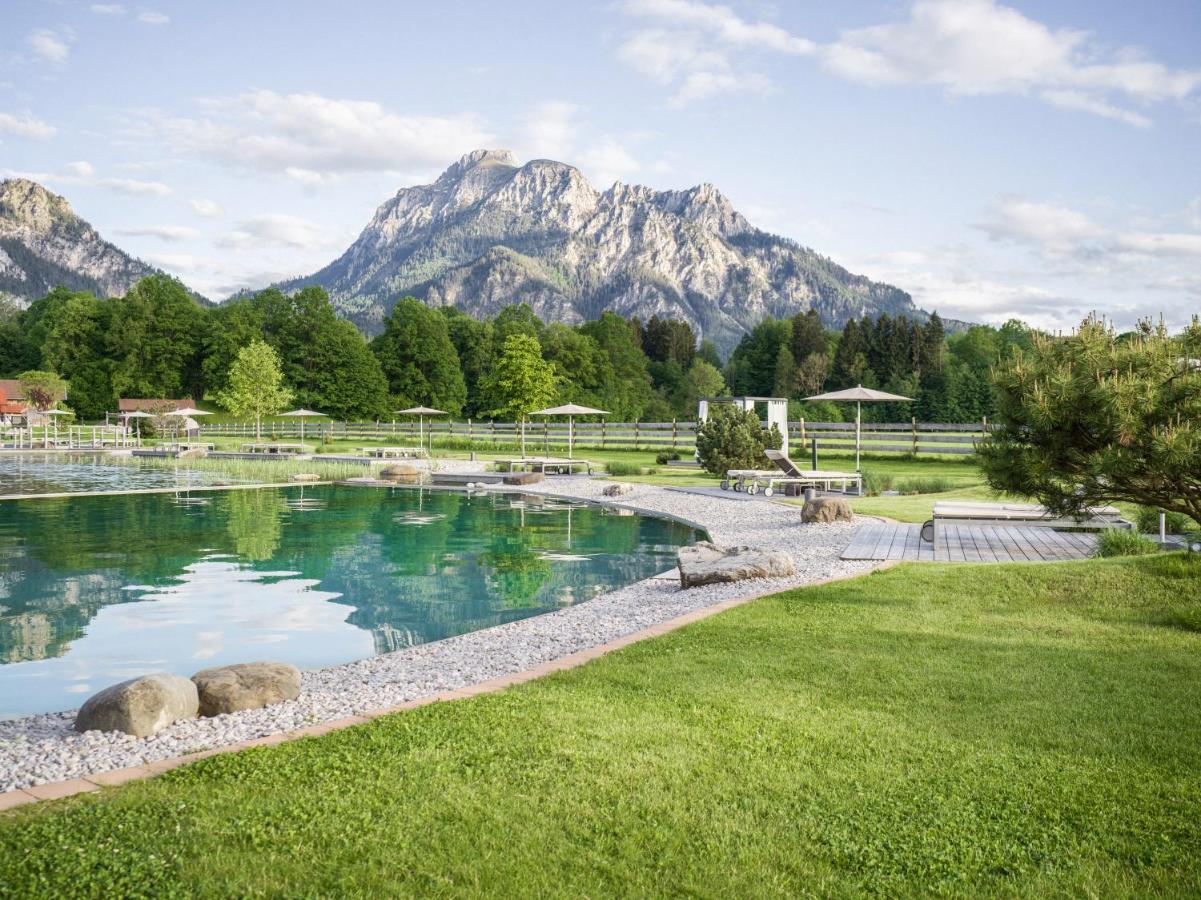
{"x": 154, "y": 405}
{"x": 14, "y": 408}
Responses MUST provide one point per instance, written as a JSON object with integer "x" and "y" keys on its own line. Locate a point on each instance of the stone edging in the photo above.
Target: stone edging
{"x": 57, "y": 790}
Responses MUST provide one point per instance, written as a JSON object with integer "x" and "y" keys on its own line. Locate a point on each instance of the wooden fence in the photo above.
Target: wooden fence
{"x": 893, "y": 437}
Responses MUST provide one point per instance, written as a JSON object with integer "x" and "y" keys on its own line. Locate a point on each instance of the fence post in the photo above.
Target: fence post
{"x": 802, "y": 430}
{"x": 913, "y": 425}
{"x": 673, "y": 434}
{"x": 635, "y": 435}
{"x": 602, "y": 434}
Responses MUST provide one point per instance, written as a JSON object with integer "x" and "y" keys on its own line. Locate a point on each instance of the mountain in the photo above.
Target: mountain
{"x": 490, "y": 232}
{"x": 44, "y": 244}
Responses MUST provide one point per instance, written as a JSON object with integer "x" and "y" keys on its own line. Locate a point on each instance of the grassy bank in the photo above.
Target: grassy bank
{"x": 971, "y": 730}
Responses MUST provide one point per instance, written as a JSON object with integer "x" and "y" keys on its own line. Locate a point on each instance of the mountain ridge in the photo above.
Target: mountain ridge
{"x": 44, "y": 243}
{"x": 490, "y": 231}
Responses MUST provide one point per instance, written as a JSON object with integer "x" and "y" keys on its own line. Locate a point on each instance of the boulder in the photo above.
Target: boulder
{"x": 827, "y": 509}
{"x": 246, "y": 686}
{"x": 402, "y": 473}
{"x": 522, "y": 477}
{"x": 306, "y": 476}
{"x": 619, "y": 489}
{"x": 706, "y": 563}
{"x": 140, "y": 706}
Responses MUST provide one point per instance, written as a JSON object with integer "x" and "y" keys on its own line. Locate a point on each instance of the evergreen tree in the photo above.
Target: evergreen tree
{"x": 808, "y": 335}
{"x": 784, "y": 383}
{"x": 669, "y": 339}
{"x": 848, "y": 356}
{"x": 708, "y": 352}
{"x": 473, "y": 341}
{"x": 418, "y": 358}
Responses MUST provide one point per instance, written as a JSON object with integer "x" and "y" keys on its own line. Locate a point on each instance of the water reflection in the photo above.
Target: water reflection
{"x": 92, "y": 589}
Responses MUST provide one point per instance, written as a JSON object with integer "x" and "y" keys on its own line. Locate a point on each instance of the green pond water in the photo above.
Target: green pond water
{"x": 94, "y": 590}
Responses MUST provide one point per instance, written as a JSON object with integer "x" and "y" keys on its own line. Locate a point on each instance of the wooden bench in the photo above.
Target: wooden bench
{"x": 545, "y": 464}
{"x": 1022, "y": 515}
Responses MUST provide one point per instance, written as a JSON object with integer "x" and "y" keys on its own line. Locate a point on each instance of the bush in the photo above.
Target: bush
{"x": 617, "y": 467}
{"x": 734, "y": 438}
{"x": 665, "y": 457}
{"x": 1120, "y": 542}
{"x": 875, "y": 481}
{"x": 931, "y": 485}
{"x": 1148, "y": 521}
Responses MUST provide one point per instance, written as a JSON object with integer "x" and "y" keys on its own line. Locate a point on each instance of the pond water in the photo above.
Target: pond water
{"x": 53, "y": 473}
{"x": 94, "y": 590}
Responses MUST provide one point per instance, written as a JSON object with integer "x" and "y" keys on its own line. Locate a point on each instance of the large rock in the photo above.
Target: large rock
{"x": 618, "y": 489}
{"x": 827, "y": 509}
{"x": 403, "y": 473}
{"x": 140, "y": 706}
{"x": 522, "y": 477}
{"x": 706, "y": 563}
{"x": 246, "y": 686}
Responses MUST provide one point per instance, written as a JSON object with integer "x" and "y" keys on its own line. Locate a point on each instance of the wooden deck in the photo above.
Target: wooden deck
{"x": 970, "y": 543}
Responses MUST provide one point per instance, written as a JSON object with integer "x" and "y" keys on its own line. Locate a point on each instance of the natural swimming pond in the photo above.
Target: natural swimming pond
{"x": 53, "y": 473}
{"x": 94, "y": 590}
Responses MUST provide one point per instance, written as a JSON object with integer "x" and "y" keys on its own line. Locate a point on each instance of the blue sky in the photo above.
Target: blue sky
{"x": 1032, "y": 160}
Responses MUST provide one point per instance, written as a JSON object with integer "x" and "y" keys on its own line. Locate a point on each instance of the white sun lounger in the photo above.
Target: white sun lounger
{"x": 1022, "y": 515}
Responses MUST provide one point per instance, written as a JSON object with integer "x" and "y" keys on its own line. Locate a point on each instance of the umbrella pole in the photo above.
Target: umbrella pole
{"x": 570, "y": 422}
{"x": 858, "y": 427}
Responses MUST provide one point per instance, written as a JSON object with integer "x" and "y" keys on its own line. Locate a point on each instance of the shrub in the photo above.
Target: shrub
{"x": 665, "y": 457}
{"x": 619, "y": 468}
{"x": 734, "y": 438}
{"x": 931, "y": 485}
{"x": 874, "y": 481}
{"x": 1120, "y": 542}
{"x": 1148, "y": 521}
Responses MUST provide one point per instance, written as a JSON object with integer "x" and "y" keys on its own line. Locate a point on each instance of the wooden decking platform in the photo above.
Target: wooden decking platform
{"x": 970, "y": 543}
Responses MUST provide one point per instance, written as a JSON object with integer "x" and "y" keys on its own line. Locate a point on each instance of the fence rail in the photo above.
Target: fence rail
{"x": 884, "y": 437}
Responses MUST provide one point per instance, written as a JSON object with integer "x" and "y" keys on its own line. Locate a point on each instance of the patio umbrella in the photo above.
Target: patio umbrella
{"x": 860, "y": 395}
{"x": 137, "y": 414}
{"x": 571, "y": 410}
{"x": 188, "y": 412}
{"x": 302, "y": 414}
{"x": 421, "y": 412}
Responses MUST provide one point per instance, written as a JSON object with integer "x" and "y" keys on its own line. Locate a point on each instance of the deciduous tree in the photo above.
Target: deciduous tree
{"x": 255, "y": 385}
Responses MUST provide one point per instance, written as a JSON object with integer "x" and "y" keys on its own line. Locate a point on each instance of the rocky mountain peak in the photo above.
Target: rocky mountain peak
{"x": 26, "y": 204}
{"x": 490, "y": 232}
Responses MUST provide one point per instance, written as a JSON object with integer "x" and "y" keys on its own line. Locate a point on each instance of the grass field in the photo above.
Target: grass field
{"x": 964, "y": 730}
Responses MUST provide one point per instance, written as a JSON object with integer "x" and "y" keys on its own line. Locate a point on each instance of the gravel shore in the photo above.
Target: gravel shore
{"x": 45, "y": 748}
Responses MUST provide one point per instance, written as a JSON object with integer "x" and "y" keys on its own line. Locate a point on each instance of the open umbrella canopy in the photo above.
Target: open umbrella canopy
{"x": 188, "y": 412}
{"x": 54, "y": 412}
{"x": 570, "y": 409}
{"x": 421, "y": 411}
{"x": 137, "y": 414}
{"x": 859, "y": 393}
{"x": 300, "y": 413}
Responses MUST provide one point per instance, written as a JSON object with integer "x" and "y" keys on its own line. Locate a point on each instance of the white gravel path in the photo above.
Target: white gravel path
{"x": 45, "y": 748}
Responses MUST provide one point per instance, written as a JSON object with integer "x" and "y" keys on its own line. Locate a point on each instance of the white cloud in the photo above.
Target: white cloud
{"x": 703, "y": 49}
{"x": 308, "y": 137}
{"x": 558, "y": 130}
{"x": 1056, "y": 230}
{"x": 169, "y": 233}
{"x": 49, "y": 45}
{"x": 552, "y": 129}
{"x": 134, "y": 187}
{"x": 153, "y": 18}
{"x": 108, "y": 9}
{"x": 608, "y": 160}
{"x": 279, "y": 229}
{"x": 207, "y": 209}
{"x": 84, "y": 174}
{"x": 972, "y": 47}
{"x": 26, "y": 126}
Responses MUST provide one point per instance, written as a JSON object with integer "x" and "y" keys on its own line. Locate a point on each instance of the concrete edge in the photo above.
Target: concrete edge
{"x": 57, "y": 790}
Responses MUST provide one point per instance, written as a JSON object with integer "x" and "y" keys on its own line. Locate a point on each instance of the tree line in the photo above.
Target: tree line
{"x": 156, "y": 341}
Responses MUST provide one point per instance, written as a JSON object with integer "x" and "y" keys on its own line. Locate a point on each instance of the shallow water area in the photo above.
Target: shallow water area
{"x": 94, "y": 590}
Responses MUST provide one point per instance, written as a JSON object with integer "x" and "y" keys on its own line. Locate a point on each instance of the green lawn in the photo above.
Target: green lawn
{"x": 966, "y": 730}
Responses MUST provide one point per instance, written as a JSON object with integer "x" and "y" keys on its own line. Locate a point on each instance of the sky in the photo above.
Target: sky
{"x": 1030, "y": 160}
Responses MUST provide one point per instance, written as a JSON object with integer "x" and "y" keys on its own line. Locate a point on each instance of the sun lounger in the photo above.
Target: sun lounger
{"x": 789, "y": 473}
{"x": 545, "y": 464}
{"x": 1022, "y": 515}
